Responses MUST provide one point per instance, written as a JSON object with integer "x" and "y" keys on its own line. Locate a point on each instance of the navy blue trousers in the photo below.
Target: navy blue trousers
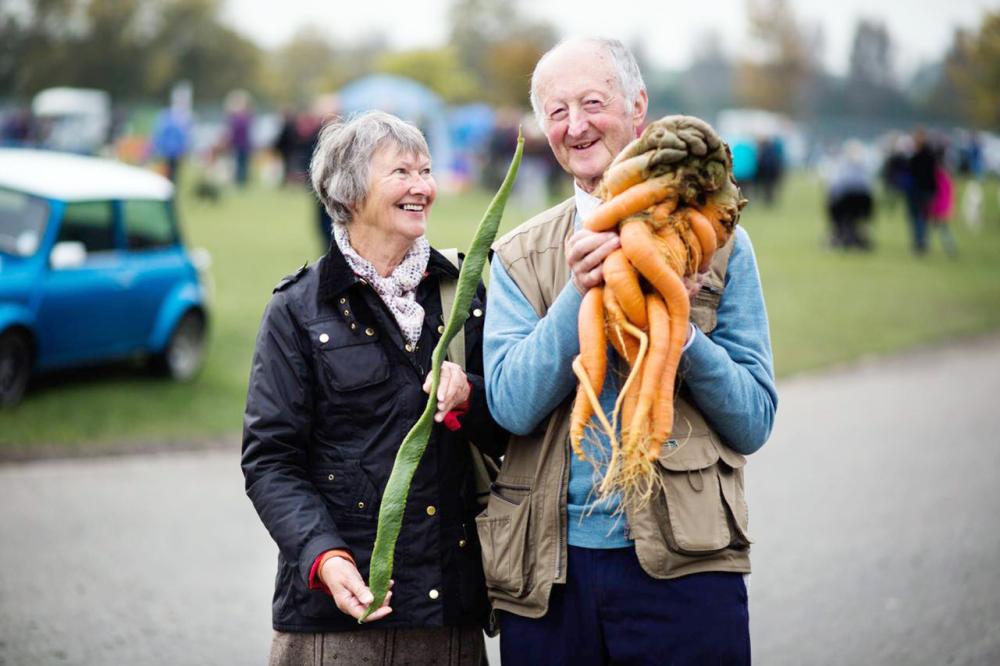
{"x": 610, "y": 611}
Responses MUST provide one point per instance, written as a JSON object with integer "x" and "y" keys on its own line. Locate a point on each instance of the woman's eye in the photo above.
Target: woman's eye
{"x": 593, "y": 103}
{"x": 425, "y": 171}
{"x": 557, "y": 114}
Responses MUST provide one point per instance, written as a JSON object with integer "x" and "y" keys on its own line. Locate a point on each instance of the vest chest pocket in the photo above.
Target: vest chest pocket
{"x": 705, "y": 508}
{"x": 349, "y": 360}
{"x": 705, "y": 305}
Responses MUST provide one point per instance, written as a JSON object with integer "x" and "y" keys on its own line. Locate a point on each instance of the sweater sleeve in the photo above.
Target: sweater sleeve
{"x": 730, "y": 372}
{"x": 528, "y": 359}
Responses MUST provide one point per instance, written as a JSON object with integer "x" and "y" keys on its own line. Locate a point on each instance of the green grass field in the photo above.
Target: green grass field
{"x": 825, "y": 308}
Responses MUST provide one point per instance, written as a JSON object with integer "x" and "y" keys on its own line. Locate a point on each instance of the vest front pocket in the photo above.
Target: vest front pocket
{"x": 503, "y": 535}
{"x": 705, "y": 508}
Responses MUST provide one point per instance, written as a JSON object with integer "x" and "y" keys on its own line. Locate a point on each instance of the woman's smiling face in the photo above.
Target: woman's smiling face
{"x": 401, "y": 191}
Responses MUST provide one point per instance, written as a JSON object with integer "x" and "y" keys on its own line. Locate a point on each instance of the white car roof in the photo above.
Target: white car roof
{"x": 77, "y": 178}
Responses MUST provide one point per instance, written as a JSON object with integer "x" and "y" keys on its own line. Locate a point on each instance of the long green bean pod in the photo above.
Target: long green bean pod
{"x": 390, "y": 515}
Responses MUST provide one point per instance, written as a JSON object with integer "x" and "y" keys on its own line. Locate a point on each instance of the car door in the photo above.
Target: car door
{"x": 83, "y": 312}
{"x": 155, "y": 258}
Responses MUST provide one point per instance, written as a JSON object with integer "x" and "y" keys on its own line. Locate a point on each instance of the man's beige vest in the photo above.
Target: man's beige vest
{"x": 697, "y": 522}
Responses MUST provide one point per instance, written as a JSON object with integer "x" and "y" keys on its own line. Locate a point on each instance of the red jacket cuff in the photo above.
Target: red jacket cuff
{"x": 451, "y": 419}
{"x": 314, "y": 582}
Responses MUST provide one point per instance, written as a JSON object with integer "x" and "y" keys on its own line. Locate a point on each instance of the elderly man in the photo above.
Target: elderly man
{"x": 576, "y": 580}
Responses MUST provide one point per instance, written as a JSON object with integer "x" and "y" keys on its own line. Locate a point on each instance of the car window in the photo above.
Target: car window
{"x": 22, "y": 222}
{"x": 90, "y": 223}
{"x": 148, "y": 224}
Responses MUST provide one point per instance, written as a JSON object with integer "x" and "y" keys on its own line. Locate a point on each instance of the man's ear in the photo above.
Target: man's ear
{"x": 639, "y": 109}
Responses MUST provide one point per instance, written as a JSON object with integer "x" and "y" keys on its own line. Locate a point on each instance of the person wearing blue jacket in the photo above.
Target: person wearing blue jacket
{"x": 573, "y": 578}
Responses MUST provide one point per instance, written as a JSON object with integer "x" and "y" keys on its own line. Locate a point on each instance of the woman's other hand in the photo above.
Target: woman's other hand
{"x": 349, "y": 591}
{"x": 453, "y": 389}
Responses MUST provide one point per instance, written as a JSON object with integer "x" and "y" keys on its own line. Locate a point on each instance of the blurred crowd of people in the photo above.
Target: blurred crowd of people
{"x": 917, "y": 170}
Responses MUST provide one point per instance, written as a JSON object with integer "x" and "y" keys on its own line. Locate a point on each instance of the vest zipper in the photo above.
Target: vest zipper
{"x": 559, "y": 514}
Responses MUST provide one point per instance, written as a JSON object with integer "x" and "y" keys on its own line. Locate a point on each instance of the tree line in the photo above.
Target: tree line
{"x": 138, "y": 49}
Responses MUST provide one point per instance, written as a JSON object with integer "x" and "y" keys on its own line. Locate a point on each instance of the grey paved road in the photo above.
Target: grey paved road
{"x": 875, "y": 509}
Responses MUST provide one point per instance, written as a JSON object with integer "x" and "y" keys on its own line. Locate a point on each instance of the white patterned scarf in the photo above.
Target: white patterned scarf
{"x": 399, "y": 290}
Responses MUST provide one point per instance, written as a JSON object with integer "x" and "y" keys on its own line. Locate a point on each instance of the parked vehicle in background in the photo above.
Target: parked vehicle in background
{"x": 77, "y": 120}
{"x": 93, "y": 269}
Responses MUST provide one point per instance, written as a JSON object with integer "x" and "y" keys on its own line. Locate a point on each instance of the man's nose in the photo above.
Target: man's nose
{"x": 578, "y": 122}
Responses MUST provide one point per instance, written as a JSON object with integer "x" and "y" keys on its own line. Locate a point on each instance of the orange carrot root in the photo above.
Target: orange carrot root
{"x": 592, "y": 363}
{"x": 631, "y": 201}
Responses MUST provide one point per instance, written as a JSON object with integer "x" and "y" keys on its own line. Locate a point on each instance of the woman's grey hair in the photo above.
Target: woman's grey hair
{"x": 626, "y": 70}
{"x": 341, "y": 163}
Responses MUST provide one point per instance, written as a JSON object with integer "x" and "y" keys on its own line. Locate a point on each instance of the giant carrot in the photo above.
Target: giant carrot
{"x": 621, "y": 278}
{"x": 631, "y": 201}
{"x": 590, "y": 367}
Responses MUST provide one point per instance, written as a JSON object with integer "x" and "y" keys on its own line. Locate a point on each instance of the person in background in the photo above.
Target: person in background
{"x": 849, "y": 198}
{"x": 171, "y": 139}
{"x": 286, "y": 144}
{"x": 942, "y": 207}
{"x": 572, "y": 579}
{"x": 921, "y": 186}
{"x": 239, "y": 125}
{"x": 324, "y": 109}
{"x": 340, "y": 374}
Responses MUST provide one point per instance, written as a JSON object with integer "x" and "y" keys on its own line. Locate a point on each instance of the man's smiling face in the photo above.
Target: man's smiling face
{"x": 584, "y": 111}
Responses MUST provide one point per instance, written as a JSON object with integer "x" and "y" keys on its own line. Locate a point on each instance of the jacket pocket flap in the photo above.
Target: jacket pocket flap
{"x": 728, "y": 456}
{"x": 688, "y": 454}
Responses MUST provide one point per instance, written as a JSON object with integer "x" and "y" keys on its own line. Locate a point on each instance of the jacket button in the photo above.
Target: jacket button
{"x": 332, "y": 477}
{"x": 440, "y": 329}
{"x": 353, "y": 326}
{"x": 361, "y": 505}
{"x": 369, "y": 332}
{"x": 408, "y": 347}
{"x": 343, "y": 300}
{"x": 324, "y": 338}
{"x": 477, "y": 313}
{"x": 431, "y": 510}
{"x": 461, "y": 543}
{"x": 433, "y": 594}
{"x": 347, "y": 313}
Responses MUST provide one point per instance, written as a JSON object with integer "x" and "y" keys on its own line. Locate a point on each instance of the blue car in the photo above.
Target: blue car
{"x": 92, "y": 269}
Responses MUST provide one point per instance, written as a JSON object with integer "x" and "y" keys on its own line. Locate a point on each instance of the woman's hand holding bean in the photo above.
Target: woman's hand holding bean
{"x": 453, "y": 389}
{"x": 349, "y": 591}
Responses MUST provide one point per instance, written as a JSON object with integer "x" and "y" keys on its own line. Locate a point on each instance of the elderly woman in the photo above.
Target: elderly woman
{"x": 340, "y": 374}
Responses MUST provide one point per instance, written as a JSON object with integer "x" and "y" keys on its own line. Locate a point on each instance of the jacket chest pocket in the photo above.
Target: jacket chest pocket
{"x": 705, "y": 507}
{"x": 347, "y": 490}
{"x": 348, "y": 360}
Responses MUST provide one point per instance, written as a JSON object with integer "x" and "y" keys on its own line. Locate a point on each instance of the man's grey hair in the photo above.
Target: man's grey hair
{"x": 626, "y": 70}
{"x": 341, "y": 163}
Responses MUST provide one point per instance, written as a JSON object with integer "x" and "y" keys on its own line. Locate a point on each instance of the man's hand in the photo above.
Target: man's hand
{"x": 694, "y": 284}
{"x": 585, "y": 250}
{"x": 349, "y": 591}
{"x": 453, "y": 389}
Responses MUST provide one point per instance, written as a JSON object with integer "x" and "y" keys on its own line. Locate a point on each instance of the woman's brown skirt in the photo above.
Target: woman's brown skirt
{"x": 444, "y": 646}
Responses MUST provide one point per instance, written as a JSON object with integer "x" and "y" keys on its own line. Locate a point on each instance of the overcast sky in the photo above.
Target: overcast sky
{"x": 921, "y": 29}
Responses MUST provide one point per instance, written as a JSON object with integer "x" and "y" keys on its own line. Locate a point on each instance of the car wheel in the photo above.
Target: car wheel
{"x": 15, "y": 367}
{"x": 185, "y": 351}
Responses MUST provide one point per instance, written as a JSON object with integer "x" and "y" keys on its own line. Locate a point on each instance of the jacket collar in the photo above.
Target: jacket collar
{"x": 336, "y": 276}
